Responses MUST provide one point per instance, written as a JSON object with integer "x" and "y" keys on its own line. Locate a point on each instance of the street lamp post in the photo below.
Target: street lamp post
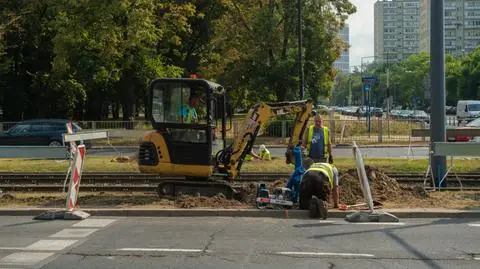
{"x": 300, "y": 56}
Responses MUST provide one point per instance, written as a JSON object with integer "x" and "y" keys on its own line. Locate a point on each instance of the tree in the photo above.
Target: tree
{"x": 257, "y": 40}
{"x": 25, "y": 66}
{"x": 469, "y": 82}
{"x": 113, "y": 48}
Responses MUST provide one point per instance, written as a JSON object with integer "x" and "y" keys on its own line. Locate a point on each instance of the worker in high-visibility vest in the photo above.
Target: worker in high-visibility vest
{"x": 317, "y": 142}
{"x": 264, "y": 153}
{"x": 318, "y": 184}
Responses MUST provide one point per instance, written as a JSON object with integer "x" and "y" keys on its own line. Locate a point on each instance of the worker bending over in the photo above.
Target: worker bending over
{"x": 317, "y": 142}
{"x": 318, "y": 183}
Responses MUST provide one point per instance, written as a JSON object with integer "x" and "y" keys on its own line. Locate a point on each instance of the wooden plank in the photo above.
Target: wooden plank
{"x": 450, "y": 132}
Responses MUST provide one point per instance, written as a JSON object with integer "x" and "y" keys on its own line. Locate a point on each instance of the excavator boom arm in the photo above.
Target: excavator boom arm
{"x": 231, "y": 159}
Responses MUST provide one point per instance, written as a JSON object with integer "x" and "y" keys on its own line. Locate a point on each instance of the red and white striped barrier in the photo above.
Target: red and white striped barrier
{"x": 73, "y": 145}
{"x": 75, "y": 177}
{"x": 77, "y": 158}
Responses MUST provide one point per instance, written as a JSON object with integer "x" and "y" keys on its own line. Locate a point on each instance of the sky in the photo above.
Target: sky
{"x": 361, "y": 31}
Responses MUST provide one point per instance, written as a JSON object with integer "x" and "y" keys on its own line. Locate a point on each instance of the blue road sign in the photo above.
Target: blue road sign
{"x": 366, "y": 87}
{"x": 371, "y": 79}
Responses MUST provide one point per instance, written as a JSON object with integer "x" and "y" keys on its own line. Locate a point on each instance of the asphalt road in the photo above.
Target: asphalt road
{"x": 392, "y": 152}
{"x": 237, "y": 243}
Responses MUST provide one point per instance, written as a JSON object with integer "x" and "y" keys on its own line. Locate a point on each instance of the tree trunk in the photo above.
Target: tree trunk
{"x": 129, "y": 98}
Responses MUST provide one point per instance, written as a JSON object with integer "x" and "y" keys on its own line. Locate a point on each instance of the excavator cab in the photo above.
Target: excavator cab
{"x": 189, "y": 117}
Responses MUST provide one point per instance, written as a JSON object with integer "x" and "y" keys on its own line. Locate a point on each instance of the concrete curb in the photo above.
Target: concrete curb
{"x": 251, "y": 213}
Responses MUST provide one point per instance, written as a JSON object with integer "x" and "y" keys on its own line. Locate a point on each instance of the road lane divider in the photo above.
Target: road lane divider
{"x": 295, "y": 253}
{"x": 161, "y": 250}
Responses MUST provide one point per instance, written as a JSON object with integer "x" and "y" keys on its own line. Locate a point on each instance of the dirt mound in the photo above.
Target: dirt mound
{"x": 123, "y": 159}
{"x": 218, "y": 201}
{"x": 382, "y": 186}
{"x": 6, "y": 196}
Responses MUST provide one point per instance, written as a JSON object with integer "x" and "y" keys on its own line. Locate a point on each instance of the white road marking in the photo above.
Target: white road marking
{"x": 378, "y": 223}
{"x": 25, "y": 258}
{"x": 69, "y": 233}
{"x": 94, "y": 223}
{"x": 51, "y": 245}
{"x": 474, "y": 224}
{"x": 326, "y": 221}
{"x": 326, "y": 254}
{"x": 161, "y": 249}
{"x": 477, "y": 258}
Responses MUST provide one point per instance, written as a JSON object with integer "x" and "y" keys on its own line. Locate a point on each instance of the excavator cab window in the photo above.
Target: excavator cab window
{"x": 178, "y": 103}
{"x": 186, "y": 112}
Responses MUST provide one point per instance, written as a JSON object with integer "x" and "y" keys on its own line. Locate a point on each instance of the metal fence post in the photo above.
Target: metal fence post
{"x": 284, "y": 128}
{"x": 1, "y": 126}
{"x": 94, "y": 125}
{"x": 380, "y": 130}
{"x": 331, "y": 116}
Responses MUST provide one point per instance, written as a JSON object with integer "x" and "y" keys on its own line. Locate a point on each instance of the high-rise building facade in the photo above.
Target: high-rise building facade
{"x": 397, "y": 29}
{"x": 343, "y": 63}
{"x": 462, "y": 26}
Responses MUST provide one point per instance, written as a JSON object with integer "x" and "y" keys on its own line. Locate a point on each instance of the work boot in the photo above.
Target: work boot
{"x": 314, "y": 207}
{"x": 323, "y": 209}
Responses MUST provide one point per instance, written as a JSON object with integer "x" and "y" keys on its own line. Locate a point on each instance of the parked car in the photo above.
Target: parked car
{"x": 467, "y": 110}
{"x": 377, "y": 112}
{"x": 420, "y": 115}
{"x": 460, "y": 138}
{"x": 41, "y": 132}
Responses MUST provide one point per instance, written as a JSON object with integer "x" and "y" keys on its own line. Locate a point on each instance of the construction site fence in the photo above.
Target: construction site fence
{"x": 382, "y": 130}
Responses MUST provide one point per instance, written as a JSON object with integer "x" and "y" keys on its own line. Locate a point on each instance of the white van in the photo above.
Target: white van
{"x": 467, "y": 110}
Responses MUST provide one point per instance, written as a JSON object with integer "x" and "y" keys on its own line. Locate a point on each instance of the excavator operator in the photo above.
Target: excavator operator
{"x": 187, "y": 112}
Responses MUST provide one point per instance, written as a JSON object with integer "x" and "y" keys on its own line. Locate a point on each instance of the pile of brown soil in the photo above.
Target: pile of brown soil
{"x": 123, "y": 159}
{"x": 218, "y": 201}
{"x": 383, "y": 187}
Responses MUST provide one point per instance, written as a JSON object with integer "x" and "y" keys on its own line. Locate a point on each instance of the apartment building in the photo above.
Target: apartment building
{"x": 343, "y": 63}
{"x": 397, "y": 29}
{"x": 462, "y": 26}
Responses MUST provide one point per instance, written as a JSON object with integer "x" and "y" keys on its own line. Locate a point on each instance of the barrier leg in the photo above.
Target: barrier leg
{"x": 456, "y": 175}
{"x": 451, "y": 168}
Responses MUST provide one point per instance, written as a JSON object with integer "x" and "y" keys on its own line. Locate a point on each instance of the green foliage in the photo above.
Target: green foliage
{"x": 409, "y": 78}
{"x": 60, "y": 58}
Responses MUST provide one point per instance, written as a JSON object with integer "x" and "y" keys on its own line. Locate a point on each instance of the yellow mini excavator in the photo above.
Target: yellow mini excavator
{"x": 188, "y": 115}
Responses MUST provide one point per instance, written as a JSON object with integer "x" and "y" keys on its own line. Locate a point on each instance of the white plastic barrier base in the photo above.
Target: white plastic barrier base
{"x": 63, "y": 214}
{"x": 372, "y": 216}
